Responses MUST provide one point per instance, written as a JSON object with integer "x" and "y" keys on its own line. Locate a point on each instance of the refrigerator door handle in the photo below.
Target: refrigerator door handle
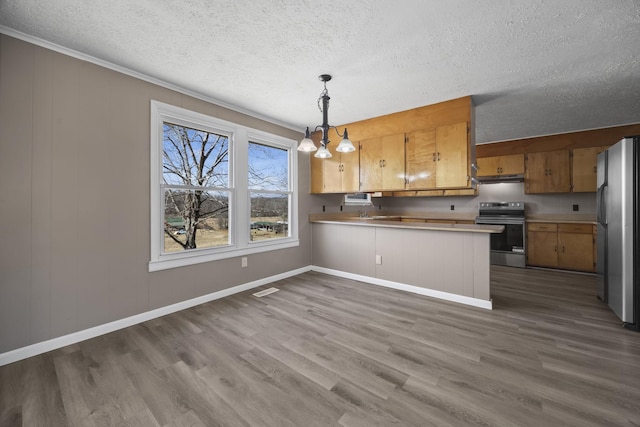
{"x": 602, "y": 209}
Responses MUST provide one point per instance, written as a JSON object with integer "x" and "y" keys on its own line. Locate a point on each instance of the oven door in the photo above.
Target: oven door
{"x": 508, "y": 247}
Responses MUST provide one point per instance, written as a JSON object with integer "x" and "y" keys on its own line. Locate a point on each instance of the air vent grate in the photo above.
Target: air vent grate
{"x": 265, "y": 292}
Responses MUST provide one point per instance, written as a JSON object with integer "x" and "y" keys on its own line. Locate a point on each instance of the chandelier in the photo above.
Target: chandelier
{"x": 307, "y": 144}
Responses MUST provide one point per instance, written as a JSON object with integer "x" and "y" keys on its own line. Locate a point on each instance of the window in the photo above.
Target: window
{"x": 269, "y": 192}
{"x": 218, "y": 189}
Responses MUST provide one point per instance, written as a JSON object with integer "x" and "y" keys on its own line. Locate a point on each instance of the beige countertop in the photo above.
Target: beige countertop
{"x": 386, "y": 218}
{"x": 394, "y": 221}
{"x": 565, "y": 218}
{"x": 456, "y": 216}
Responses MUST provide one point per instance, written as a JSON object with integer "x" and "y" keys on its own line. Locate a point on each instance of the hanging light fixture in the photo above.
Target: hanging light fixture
{"x": 307, "y": 144}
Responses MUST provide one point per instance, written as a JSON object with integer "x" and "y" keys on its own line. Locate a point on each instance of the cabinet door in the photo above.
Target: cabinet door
{"x": 488, "y": 166}
{"x": 548, "y": 172}
{"x": 332, "y": 171}
{"x": 452, "y": 157}
{"x": 511, "y": 165}
{"x": 350, "y": 170}
{"x": 536, "y": 173}
{"x": 317, "y": 174}
{"x": 575, "y": 251}
{"x": 393, "y": 162}
{"x": 559, "y": 178}
{"x": 382, "y": 163}
{"x": 371, "y": 164}
{"x": 542, "y": 248}
{"x": 584, "y": 171}
{"x": 421, "y": 159}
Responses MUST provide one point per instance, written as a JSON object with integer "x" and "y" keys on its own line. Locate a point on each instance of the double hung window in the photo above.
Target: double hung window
{"x": 218, "y": 189}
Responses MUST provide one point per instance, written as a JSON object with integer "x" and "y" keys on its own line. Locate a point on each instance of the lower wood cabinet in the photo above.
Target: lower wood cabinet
{"x": 561, "y": 245}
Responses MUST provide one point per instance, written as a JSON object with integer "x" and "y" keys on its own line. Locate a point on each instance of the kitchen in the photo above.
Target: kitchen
{"x": 537, "y": 232}
{"x": 79, "y": 304}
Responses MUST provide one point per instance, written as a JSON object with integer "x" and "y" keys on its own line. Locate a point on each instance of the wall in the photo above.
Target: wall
{"x": 535, "y": 203}
{"x": 74, "y": 199}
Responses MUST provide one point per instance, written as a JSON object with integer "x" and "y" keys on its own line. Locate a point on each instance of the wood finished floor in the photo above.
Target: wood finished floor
{"x": 329, "y": 351}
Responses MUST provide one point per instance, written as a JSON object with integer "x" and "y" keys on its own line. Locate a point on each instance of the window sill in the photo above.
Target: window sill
{"x": 183, "y": 259}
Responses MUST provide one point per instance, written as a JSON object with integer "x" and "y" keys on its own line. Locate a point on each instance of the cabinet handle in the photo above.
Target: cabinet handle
{"x": 434, "y": 157}
{"x": 595, "y": 169}
{"x": 438, "y": 156}
{"x": 384, "y": 163}
{"x": 563, "y": 249}
{"x": 380, "y": 163}
{"x": 555, "y": 248}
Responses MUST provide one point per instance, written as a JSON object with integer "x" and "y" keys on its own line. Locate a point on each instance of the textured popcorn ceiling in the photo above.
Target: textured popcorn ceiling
{"x": 534, "y": 67}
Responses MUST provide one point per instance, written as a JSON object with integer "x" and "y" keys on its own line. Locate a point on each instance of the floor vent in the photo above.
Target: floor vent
{"x": 265, "y": 292}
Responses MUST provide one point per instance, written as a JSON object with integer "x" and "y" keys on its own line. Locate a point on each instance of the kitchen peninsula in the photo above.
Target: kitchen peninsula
{"x": 446, "y": 261}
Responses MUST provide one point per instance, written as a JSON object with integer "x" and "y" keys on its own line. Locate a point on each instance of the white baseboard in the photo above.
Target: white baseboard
{"x": 75, "y": 337}
{"x": 475, "y": 302}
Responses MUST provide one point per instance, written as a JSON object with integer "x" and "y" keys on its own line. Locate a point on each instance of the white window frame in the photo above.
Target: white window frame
{"x": 239, "y": 203}
{"x": 266, "y": 139}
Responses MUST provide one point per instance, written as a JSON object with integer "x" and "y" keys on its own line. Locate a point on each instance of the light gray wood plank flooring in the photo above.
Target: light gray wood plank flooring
{"x": 329, "y": 351}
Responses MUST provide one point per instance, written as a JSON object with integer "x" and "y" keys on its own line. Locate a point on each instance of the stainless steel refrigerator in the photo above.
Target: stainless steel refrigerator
{"x": 618, "y": 199}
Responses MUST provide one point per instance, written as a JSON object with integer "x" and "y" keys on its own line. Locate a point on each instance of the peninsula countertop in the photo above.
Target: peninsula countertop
{"x": 402, "y": 221}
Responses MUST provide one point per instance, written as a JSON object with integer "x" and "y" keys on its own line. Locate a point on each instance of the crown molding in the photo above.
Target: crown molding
{"x": 144, "y": 77}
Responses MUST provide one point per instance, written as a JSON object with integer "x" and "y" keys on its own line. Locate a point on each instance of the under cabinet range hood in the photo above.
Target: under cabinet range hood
{"x": 496, "y": 179}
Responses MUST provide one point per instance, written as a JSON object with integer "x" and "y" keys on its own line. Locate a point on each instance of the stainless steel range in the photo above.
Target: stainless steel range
{"x": 508, "y": 247}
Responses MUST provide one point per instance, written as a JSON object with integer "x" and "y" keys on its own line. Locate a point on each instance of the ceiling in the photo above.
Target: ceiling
{"x": 533, "y": 67}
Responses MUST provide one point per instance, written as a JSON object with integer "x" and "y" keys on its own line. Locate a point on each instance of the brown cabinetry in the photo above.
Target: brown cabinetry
{"x": 542, "y": 245}
{"x": 382, "y": 163}
{"x": 438, "y": 158}
{"x": 501, "y": 165}
{"x": 421, "y": 161}
{"x": 426, "y": 149}
{"x": 338, "y": 174}
{"x": 564, "y": 245}
{"x": 452, "y": 156}
{"x": 548, "y": 172}
{"x": 584, "y": 171}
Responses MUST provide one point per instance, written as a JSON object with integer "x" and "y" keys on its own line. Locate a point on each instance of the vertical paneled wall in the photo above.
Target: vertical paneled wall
{"x": 74, "y": 199}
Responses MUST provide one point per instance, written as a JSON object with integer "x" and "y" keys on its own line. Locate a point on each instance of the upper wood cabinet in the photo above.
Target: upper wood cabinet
{"x": 438, "y": 158}
{"x": 501, "y": 165}
{"x": 452, "y": 156}
{"x": 420, "y": 166}
{"x": 382, "y": 163}
{"x": 584, "y": 172}
{"x": 338, "y": 174}
{"x": 548, "y": 172}
{"x": 428, "y": 148}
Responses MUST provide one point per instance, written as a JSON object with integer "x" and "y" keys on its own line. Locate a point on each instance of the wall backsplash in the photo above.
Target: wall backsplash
{"x": 535, "y": 203}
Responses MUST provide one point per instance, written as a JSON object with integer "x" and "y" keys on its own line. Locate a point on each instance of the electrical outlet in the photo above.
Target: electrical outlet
{"x": 340, "y": 208}
{"x": 380, "y": 207}
{"x": 576, "y": 208}
{"x": 324, "y": 208}
{"x": 379, "y": 259}
{"x": 453, "y": 207}
{"x": 243, "y": 261}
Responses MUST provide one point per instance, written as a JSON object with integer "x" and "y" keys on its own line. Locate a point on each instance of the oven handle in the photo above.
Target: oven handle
{"x": 502, "y": 221}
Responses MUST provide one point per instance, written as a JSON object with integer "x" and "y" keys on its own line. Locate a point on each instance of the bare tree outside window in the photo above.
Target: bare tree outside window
{"x": 195, "y": 172}
{"x": 269, "y": 190}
